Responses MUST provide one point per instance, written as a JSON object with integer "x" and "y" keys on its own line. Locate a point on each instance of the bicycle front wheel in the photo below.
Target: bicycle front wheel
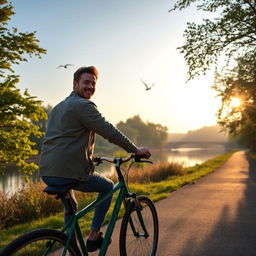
{"x": 139, "y": 229}
{"x": 48, "y": 242}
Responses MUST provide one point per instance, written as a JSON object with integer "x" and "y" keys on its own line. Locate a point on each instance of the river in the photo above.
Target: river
{"x": 12, "y": 181}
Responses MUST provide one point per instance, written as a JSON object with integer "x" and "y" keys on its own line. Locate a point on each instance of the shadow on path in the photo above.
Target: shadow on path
{"x": 235, "y": 230}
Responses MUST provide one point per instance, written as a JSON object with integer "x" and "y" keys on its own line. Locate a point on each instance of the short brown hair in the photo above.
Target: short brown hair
{"x": 91, "y": 70}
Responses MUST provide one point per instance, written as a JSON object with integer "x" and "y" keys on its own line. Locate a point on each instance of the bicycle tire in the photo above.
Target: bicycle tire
{"x": 131, "y": 244}
{"x": 32, "y": 244}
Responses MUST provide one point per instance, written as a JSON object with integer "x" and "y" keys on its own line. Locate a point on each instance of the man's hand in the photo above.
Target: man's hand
{"x": 145, "y": 152}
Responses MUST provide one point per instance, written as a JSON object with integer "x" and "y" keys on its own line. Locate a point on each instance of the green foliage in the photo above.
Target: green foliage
{"x": 31, "y": 203}
{"x": 239, "y": 82}
{"x": 27, "y": 204}
{"x": 232, "y": 33}
{"x": 17, "y": 110}
{"x": 131, "y": 127}
{"x": 16, "y": 113}
{"x": 14, "y": 44}
{"x": 141, "y": 133}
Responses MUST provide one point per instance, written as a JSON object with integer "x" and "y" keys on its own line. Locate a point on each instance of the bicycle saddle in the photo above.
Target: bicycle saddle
{"x": 60, "y": 189}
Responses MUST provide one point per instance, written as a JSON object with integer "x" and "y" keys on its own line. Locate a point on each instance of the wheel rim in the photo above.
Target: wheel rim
{"x": 140, "y": 244}
{"x": 42, "y": 246}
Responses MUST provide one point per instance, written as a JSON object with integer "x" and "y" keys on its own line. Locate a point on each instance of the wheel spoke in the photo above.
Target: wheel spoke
{"x": 141, "y": 245}
{"x": 43, "y": 242}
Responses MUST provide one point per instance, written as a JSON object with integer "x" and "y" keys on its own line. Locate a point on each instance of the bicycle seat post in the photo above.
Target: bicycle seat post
{"x": 69, "y": 202}
{"x": 67, "y": 197}
{"x": 70, "y": 207}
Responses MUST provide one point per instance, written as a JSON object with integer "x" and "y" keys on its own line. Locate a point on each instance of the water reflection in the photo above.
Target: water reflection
{"x": 13, "y": 181}
{"x": 193, "y": 156}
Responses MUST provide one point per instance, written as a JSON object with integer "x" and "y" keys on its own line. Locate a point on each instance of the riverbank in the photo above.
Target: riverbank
{"x": 14, "y": 181}
{"x": 155, "y": 190}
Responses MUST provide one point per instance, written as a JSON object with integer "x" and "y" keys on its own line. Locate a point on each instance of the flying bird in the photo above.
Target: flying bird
{"x": 65, "y": 66}
{"x": 147, "y": 87}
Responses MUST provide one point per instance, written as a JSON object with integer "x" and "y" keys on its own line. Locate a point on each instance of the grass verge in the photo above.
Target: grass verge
{"x": 155, "y": 190}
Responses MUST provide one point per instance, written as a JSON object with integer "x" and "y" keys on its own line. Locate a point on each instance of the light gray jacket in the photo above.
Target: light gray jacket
{"x": 69, "y": 140}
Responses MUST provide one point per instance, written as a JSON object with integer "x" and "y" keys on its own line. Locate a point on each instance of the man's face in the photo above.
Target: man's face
{"x": 86, "y": 85}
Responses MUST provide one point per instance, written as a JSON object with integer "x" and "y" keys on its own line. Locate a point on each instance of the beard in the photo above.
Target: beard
{"x": 86, "y": 93}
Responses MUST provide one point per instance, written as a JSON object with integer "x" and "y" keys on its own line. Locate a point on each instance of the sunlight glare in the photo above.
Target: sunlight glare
{"x": 235, "y": 102}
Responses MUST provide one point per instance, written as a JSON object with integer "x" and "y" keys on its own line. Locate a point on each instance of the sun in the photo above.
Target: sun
{"x": 235, "y": 102}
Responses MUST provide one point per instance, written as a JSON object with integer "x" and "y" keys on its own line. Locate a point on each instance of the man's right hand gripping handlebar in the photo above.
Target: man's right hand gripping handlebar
{"x": 143, "y": 152}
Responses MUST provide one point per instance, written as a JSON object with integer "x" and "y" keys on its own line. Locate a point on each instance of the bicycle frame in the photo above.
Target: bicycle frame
{"x": 73, "y": 225}
{"x": 135, "y": 221}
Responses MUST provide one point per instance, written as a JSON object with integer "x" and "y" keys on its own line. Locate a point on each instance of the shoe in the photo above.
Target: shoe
{"x": 94, "y": 245}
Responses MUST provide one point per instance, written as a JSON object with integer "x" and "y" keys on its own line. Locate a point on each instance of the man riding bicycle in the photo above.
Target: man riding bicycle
{"x": 67, "y": 151}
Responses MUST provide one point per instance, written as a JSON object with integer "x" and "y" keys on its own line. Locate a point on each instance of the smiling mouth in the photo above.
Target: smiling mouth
{"x": 88, "y": 90}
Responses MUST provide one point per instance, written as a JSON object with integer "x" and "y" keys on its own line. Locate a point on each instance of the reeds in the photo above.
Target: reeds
{"x": 154, "y": 173}
{"x": 26, "y": 204}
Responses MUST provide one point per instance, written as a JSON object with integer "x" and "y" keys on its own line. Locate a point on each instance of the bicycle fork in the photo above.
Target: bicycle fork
{"x": 138, "y": 208}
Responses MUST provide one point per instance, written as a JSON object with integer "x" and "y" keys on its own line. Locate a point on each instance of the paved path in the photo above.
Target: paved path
{"x": 214, "y": 217}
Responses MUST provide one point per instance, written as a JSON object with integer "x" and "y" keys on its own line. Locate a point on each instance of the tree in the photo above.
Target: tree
{"x": 140, "y": 132}
{"x": 17, "y": 110}
{"x": 130, "y": 130}
{"x": 239, "y": 83}
{"x": 158, "y": 134}
{"x": 149, "y": 134}
{"x": 232, "y": 33}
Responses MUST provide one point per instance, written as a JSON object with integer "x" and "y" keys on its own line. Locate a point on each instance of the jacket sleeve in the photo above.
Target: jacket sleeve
{"x": 92, "y": 119}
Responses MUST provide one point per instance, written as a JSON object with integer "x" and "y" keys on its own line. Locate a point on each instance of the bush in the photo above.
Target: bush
{"x": 31, "y": 203}
{"x": 26, "y": 204}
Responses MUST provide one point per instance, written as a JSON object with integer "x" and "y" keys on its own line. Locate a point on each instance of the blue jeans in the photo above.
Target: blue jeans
{"x": 95, "y": 183}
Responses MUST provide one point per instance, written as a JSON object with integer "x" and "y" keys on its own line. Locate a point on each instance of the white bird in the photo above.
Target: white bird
{"x": 65, "y": 66}
{"x": 147, "y": 87}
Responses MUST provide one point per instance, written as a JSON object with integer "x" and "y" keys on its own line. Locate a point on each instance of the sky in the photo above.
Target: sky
{"x": 128, "y": 41}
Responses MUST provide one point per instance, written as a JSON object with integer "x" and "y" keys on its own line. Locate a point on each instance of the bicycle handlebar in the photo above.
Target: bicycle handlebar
{"x": 121, "y": 160}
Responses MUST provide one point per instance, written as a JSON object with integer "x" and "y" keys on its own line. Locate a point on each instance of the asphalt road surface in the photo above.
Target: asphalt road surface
{"x": 216, "y": 216}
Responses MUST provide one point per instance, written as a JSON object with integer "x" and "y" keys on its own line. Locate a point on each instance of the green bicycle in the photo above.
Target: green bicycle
{"x": 138, "y": 233}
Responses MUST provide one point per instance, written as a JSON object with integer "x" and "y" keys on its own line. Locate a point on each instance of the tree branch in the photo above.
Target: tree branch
{"x": 251, "y": 5}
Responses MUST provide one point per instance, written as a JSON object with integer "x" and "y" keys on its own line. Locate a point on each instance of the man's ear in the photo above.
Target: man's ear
{"x": 75, "y": 85}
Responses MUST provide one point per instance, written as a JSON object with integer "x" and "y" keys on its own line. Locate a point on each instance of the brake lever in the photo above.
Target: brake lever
{"x": 97, "y": 161}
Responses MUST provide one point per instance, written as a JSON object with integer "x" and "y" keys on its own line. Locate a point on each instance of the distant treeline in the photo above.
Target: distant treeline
{"x": 145, "y": 134}
{"x": 207, "y": 133}
{"x": 140, "y": 132}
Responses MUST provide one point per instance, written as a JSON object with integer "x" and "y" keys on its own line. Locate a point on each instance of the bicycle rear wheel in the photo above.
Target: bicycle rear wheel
{"x": 48, "y": 242}
{"x": 134, "y": 238}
